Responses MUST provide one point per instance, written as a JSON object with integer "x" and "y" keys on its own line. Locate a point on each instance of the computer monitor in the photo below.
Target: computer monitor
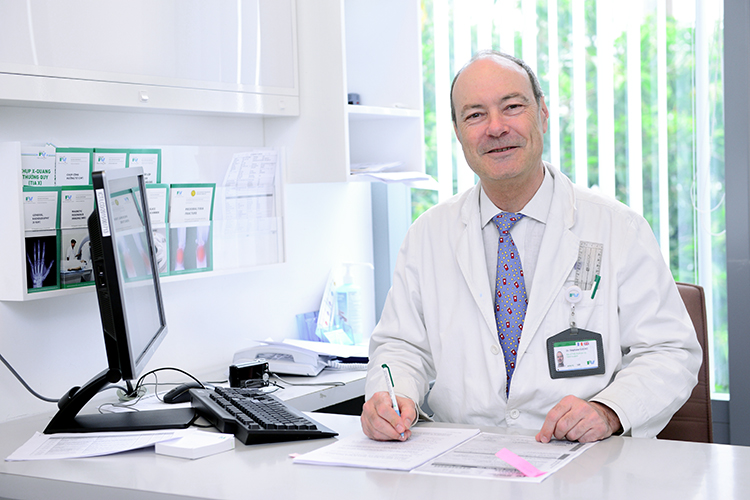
{"x": 130, "y": 305}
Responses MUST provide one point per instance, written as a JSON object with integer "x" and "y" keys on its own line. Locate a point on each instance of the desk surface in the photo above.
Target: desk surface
{"x": 618, "y": 468}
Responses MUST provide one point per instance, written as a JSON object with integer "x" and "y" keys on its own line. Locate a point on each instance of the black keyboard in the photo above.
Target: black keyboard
{"x": 254, "y": 417}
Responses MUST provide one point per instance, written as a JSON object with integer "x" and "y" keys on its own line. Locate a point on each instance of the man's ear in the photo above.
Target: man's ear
{"x": 545, "y": 115}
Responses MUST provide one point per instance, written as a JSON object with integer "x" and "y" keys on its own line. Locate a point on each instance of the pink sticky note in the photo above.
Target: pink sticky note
{"x": 519, "y": 463}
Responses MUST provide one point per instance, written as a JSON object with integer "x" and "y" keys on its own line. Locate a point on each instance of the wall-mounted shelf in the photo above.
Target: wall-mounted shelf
{"x": 259, "y": 250}
{"x": 373, "y": 49}
{"x": 359, "y": 112}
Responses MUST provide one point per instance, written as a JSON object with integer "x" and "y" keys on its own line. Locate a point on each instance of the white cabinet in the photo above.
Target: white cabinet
{"x": 291, "y": 62}
{"x": 355, "y": 46}
{"x": 233, "y": 58}
{"x": 186, "y": 55}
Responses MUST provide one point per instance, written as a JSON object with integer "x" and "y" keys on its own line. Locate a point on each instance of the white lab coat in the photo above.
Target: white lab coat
{"x": 438, "y": 322}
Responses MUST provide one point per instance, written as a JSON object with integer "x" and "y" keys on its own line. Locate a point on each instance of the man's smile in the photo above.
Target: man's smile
{"x": 500, "y": 150}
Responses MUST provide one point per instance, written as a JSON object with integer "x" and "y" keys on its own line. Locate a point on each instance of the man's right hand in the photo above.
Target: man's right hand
{"x": 381, "y": 422}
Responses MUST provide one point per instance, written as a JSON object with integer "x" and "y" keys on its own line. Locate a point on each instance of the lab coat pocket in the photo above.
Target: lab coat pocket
{"x": 586, "y": 310}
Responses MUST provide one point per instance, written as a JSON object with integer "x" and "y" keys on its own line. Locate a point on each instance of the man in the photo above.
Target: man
{"x": 71, "y": 255}
{"x": 591, "y": 280}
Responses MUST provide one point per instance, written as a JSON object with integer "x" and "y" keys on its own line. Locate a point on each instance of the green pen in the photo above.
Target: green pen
{"x": 597, "y": 278}
{"x": 391, "y": 393}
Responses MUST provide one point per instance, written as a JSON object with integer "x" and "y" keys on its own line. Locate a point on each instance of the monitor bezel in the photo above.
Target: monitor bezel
{"x": 108, "y": 277}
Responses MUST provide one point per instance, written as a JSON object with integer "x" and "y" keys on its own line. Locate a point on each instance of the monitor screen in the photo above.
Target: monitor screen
{"x": 130, "y": 281}
{"x": 130, "y": 305}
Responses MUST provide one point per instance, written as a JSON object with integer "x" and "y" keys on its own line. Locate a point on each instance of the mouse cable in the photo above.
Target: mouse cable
{"x": 140, "y": 383}
{"x": 23, "y": 382}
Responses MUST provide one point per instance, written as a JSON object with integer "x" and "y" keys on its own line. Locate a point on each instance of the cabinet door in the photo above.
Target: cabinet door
{"x": 244, "y": 46}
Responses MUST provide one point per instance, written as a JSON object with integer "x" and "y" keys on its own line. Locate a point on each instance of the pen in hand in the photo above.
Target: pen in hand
{"x": 389, "y": 384}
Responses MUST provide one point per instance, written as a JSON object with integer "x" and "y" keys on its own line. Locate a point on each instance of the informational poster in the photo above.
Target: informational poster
{"x": 73, "y": 166}
{"x": 76, "y": 266}
{"x": 149, "y": 160}
{"x": 40, "y": 208}
{"x": 38, "y": 165}
{"x": 251, "y": 228}
{"x": 41, "y": 235}
{"x": 250, "y": 191}
{"x": 105, "y": 159}
{"x": 158, "y": 207}
{"x": 190, "y": 227}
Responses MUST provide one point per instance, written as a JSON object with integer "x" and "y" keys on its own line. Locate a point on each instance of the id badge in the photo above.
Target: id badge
{"x": 575, "y": 353}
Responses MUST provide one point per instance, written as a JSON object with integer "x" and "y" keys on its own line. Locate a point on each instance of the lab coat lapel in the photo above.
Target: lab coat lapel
{"x": 557, "y": 256}
{"x": 471, "y": 261}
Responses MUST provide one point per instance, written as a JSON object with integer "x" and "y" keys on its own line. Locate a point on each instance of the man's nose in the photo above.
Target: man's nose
{"x": 497, "y": 124}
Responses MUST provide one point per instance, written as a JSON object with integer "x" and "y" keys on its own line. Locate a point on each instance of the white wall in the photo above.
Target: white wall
{"x": 57, "y": 343}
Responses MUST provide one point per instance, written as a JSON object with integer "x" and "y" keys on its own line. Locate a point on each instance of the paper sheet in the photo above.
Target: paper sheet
{"x": 412, "y": 179}
{"x": 93, "y": 444}
{"x": 358, "y": 450}
{"x": 327, "y": 349}
{"x": 477, "y": 458}
{"x": 249, "y": 191}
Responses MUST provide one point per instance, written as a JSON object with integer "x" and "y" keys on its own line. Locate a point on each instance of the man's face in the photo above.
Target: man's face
{"x": 498, "y": 122}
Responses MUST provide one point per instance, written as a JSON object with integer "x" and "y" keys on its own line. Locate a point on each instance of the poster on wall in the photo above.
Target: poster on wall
{"x": 42, "y": 269}
{"x": 76, "y": 267}
{"x": 190, "y": 227}
{"x": 41, "y": 223}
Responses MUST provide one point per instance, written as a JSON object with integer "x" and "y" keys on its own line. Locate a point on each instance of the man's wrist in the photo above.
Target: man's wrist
{"x": 613, "y": 421}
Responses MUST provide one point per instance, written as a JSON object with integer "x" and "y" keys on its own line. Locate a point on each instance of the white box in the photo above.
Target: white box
{"x": 196, "y": 445}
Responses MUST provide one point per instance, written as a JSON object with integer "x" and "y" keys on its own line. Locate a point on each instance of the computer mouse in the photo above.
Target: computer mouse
{"x": 180, "y": 393}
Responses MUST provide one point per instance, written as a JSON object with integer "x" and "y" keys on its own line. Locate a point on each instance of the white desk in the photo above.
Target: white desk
{"x": 618, "y": 468}
{"x": 316, "y": 397}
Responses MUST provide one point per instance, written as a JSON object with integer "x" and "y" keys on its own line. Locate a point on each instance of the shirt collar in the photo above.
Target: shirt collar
{"x": 537, "y": 208}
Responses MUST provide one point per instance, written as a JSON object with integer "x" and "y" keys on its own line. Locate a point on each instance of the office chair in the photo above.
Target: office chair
{"x": 693, "y": 421}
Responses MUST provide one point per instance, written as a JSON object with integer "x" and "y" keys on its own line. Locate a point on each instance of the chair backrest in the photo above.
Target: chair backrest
{"x": 693, "y": 421}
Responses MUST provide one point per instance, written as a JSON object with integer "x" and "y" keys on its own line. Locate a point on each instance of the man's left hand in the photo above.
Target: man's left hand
{"x": 577, "y": 420}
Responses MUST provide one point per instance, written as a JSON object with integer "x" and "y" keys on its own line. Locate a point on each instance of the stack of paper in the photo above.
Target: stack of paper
{"x": 196, "y": 445}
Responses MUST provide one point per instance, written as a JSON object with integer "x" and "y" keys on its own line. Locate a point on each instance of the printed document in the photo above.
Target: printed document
{"x": 477, "y": 457}
{"x": 453, "y": 452}
{"x": 89, "y": 444}
{"x": 358, "y": 450}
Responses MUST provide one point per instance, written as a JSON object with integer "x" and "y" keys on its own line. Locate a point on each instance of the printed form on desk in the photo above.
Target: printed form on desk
{"x": 90, "y": 444}
{"x": 453, "y": 452}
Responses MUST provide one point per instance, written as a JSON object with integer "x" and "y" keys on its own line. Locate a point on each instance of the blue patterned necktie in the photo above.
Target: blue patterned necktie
{"x": 510, "y": 293}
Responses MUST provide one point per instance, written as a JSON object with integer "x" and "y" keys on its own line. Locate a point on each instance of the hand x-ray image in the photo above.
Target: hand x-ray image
{"x": 41, "y": 261}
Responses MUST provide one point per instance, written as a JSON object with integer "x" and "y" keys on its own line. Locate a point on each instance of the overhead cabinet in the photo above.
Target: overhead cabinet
{"x": 182, "y": 55}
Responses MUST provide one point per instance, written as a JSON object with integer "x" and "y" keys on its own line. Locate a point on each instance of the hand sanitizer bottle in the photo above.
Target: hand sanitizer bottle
{"x": 349, "y": 306}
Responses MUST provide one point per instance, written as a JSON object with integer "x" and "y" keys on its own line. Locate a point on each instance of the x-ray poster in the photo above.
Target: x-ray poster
{"x": 76, "y": 267}
{"x": 41, "y": 220}
{"x": 42, "y": 261}
{"x": 190, "y": 227}
{"x": 158, "y": 208}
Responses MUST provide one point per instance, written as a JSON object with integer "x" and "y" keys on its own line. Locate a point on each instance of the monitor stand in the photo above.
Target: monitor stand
{"x": 67, "y": 418}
